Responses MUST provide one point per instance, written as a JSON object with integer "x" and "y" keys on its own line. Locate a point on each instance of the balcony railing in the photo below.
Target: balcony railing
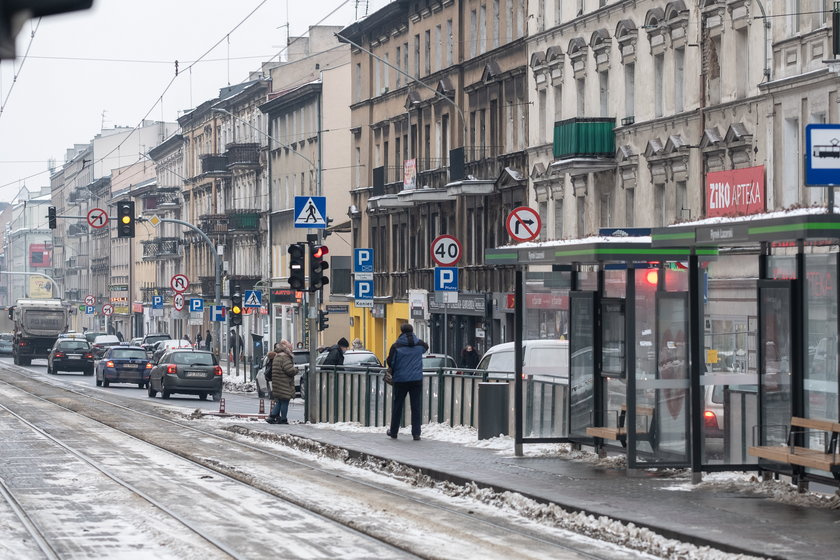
{"x": 165, "y": 247}
{"x": 213, "y": 163}
{"x": 213, "y": 224}
{"x": 100, "y": 264}
{"x": 168, "y": 198}
{"x": 243, "y": 220}
{"x": 584, "y": 138}
{"x": 243, "y": 154}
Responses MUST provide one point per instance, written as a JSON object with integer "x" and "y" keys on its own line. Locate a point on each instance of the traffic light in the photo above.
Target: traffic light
{"x": 51, "y": 217}
{"x": 323, "y": 320}
{"x": 236, "y": 309}
{"x": 317, "y": 266}
{"x": 297, "y": 262}
{"x": 125, "y": 218}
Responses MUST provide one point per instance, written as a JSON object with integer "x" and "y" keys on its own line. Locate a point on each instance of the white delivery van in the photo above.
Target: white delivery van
{"x": 549, "y": 358}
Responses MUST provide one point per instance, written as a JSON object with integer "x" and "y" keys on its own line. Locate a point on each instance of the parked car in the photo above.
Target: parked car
{"x": 543, "y": 358}
{"x": 70, "y": 354}
{"x": 102, "y": 343}
{"x": 301, "y": 359}
{"x": 151, "y": 339}
{"x": 6, "y": 343}
{"x": 186, "y": 371}
{"x": 91, "y": 335}
{"x": 124, "y": 364}
{"x": 164, "y": 345}
{"x": 354, "y": 359}
{"x": 713, "y": 415}
{"x": 434, "y": 362}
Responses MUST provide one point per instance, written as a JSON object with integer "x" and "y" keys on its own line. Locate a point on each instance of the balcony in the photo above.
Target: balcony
{"x": 162, "y": 248}
{"x": 584, "y": 138}
{"x": 243, "y": 220}
{"x": 73, "y": 295}
{"x": 169, "y": 198}
{"x": 213, "y": 224}
{"x": 208, "y": 287}
{"x": 246, "y": 155}
{"x": 77, "y": 262}
{"x": 214, "y": 163}
{"x": 100, "y": 264}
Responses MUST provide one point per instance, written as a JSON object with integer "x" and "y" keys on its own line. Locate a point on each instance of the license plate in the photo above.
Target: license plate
{"x": 196, "y": 374}
{"x": 131, "y": 366}
{"x": 74, "y": 356}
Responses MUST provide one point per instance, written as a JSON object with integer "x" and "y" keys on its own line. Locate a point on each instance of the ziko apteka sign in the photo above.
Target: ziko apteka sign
{"x": 738, "y": 192}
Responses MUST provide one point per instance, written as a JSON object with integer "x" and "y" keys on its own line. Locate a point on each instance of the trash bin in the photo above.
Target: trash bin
{"x": 492, "y": 410}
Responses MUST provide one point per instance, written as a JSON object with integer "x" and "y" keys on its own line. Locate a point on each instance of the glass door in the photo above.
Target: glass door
{"x": 775, "y": 335}
{"x": 582, "y": 405}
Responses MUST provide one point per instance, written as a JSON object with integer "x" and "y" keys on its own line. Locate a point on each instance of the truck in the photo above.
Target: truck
{"x": 37, "y": 324}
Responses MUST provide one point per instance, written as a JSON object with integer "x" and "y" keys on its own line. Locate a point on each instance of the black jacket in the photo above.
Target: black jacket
{"x": 335, "y": 356}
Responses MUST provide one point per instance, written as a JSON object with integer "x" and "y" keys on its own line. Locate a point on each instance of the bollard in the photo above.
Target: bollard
{"x": 222, "y": 405}
{"x": 262, "y": 406}
{"x": 492, "y": 410}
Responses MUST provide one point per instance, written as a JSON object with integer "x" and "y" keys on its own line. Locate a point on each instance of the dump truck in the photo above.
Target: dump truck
{"x": 37, "y": 324}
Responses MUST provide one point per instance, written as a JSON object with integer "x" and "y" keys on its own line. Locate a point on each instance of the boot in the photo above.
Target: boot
{"x": 271, "y": 419}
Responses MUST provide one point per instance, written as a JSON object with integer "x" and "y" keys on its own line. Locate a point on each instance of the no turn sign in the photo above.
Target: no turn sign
{"x": 90, "y": 300}
{"x": 523, "y": 224}
{"x": 446, "y": 250}
{"x": 179, "y": 283}
{"x": 97, "y": 218}
{"x": 107, "y": 309}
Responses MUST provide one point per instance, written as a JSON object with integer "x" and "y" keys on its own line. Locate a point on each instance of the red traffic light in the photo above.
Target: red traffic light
{"x": 320, "y": 252}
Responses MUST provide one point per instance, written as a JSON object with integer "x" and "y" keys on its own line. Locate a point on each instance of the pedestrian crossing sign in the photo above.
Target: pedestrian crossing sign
{"x": 253, "y": 298}
{"x": 311, "y": 212}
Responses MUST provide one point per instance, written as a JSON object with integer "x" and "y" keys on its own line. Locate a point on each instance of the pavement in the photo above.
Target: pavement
{"x": 727, "y": 519}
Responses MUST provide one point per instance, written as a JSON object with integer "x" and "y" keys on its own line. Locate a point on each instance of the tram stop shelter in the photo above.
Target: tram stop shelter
{"x": 627, "y": 383}
{"x": 766, "y": 327}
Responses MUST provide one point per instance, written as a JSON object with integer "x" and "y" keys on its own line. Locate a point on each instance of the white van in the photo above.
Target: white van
{"x": 541, "y": 358}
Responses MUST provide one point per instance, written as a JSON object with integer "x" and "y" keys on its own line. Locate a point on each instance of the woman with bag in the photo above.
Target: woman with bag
{"x": 283, "y": 373}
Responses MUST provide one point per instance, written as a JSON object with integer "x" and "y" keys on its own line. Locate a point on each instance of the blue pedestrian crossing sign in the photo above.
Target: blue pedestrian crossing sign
{"x": 157, "y": 302}
{"x": 217, "y": 313}
{"x": 253, "y": 298}
{"x": 196, "y": 305}
{"x": 311, "y": 212}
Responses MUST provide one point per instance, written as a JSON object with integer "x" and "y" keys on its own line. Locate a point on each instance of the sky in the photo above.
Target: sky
{"x": 113, "y": 65}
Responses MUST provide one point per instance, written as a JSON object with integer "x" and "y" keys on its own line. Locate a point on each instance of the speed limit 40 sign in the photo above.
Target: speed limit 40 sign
{"x": 446, "y": 250}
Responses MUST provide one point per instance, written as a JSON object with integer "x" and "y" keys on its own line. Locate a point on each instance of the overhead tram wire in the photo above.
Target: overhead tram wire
{"x": 20, "y": 67}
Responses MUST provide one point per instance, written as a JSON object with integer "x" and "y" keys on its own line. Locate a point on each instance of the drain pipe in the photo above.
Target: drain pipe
{"x": 766, "y": 30}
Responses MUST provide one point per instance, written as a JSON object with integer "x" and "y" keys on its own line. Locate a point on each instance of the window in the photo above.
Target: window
{"x": 449, "y": 43}
{"x": 438, "y": 48}
{"x": 681, "y": 202}
{"x": 581, "y": 97}
{"x": 496, "y": 23}
{"x": 558, "y": 103}
{"x": 405, "y": 60}
{"x": 398, "y": 61}
{"x": 742, "y": 55}
{"x": 509, "y": 17}
{"x": 659, "y": 204}
{"x": 386, "y": 70}
{"x": 417, "y": 56}
{"x": 558, "y": 12}
{"x": 658, "y": 83}
{"x": 604, "y": 91}
{"x": 542, "y": 116}
{"x": 606, "y": 209}
{"x": 629, "y": 90}
{"x": 543, "y": 210}
{"x": 791, "y": 163}
{"x": 482, "y": 29}
{"x": 558, "y": 218}
{"x": 679, "y": 80}
{"x": 473, "y": 33}
{"x": 427, "y": 53}
{"x": 629, "y": 207}
{"x": 581, "y": 216}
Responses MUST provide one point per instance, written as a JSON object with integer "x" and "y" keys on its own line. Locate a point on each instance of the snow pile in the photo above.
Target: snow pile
{"x": 236, "y": 384}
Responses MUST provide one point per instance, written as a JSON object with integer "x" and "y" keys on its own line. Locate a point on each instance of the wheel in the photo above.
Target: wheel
{"x": 152, "y": 392}
{"x": 217, "y": 396}
{"x": 26, "y": 361}
{"x": 88, "y": 372}
{"x": 141, "y": 385}
{"x": 165, "y": 394}
{"x": 98, "y": 382}
{"x": 15, "y": 359}
{"x": 106, "y": 383}
{"x": 202, "y": 396}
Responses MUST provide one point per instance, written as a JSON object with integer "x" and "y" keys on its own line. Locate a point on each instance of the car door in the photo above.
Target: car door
{"x": 157, "y": 372}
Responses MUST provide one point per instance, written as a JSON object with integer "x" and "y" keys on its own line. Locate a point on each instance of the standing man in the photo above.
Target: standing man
{"x": 208, "y": 340}
{"x": 336, "y": 355}
{"x": 405, "y": 358}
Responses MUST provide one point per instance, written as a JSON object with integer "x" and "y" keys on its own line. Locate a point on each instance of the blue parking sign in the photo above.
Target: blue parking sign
{"x": 196, "y": 305}
{"x": 157, "y": 302}
{"x": 446, "y": 279}
{"x": 89, "y": 310}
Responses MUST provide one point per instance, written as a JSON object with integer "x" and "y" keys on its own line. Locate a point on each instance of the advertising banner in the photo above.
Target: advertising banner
{"x": 39, "y": 287}
{"x": 410, "y": 174}
{"x": 738, "y": 192}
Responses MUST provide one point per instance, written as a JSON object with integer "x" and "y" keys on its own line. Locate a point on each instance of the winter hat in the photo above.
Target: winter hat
{"x": 406, "y": 328}
{"x": 343, "y": 342}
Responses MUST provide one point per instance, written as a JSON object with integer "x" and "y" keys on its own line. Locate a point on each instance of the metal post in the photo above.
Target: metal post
{"x": 518, "y": 309}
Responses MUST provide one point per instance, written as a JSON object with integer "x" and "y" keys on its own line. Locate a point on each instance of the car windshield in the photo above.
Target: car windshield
{"x": 107, "y": 339}
{"x": 301, "y": 358}
{"x": 193, "y": 358}
{"x": 127, "y": 353}
{"x": 153, "y": 339}
{"x": 434, "y": 362}
{"x": 91, "y": 336}
{"x": 498, "y": 361}
{"x": 360, "y": 359}
{"x": 73, "y": 345}
{"x": 6, "y": 336}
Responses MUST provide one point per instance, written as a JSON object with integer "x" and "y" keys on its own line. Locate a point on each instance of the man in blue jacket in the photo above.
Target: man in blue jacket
{"x": 405, "y": 358}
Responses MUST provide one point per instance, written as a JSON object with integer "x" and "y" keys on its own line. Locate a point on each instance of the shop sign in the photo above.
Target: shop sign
{"x": 467, "y": 304}
{"x": 121, "y": 310}
{"x": 119, "y": 287}
{"x": 738, "y": 192}
{"x": 279, "y": 295}
{"x": 540, "y": 301}
{"x": 338, "y": 309}
{"x": 137, "y": 307}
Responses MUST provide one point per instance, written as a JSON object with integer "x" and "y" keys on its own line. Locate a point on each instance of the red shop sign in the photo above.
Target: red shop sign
{"x": 738, "y": 192}
{"x": 540, "y": 301}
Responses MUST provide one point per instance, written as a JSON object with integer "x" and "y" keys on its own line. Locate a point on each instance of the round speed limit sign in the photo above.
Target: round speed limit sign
{"x": 446, "y": 250}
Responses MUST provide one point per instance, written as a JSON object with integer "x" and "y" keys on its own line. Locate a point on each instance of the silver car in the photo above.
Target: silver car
{"x": 301, "y": 358}
{"x": 192, "y": 372}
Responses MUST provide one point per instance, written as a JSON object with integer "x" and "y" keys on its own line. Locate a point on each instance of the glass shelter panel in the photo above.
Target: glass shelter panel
{"x": 582, "y": 374}
{"x": 821, "y": 383}
{"x": 775, "y": 338}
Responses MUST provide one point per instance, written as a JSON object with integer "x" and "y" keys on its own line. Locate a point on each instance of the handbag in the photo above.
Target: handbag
{"x": 389, "y": 376}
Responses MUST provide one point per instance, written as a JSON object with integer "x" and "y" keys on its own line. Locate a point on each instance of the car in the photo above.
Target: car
{"x": 91, "y": 335}
{"x": 301, "y": 359}
{"x": 713, "y": 414}
{"x": 434, "y": 362}
{"x": 124, "y": 364}
{"x": 541, "y": 357}
{"x": 137, "y": 341}
{"x": 354, "y": 358}
{"x": 6, "y": 340}
{"x": 73, "y": 334}
{"x": 186, "y": 371}
{"x": 102, "y": 343}
{"x": 70, "y": 354}
{"x": 164, "y": 345}
{"x": 153, "y": 338}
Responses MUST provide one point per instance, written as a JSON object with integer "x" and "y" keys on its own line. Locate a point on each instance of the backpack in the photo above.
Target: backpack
{"x": 268, "y": 364}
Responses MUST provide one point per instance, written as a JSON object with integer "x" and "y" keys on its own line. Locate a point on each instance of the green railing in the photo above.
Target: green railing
{"x": 579, "y": 137}
{"x": 450, "y": 396}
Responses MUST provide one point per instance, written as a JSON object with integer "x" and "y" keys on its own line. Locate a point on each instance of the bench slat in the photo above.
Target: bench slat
{"x": 801, "y": 456}
{"x": 606, "y": 433}
{"x": 815, "y": 424}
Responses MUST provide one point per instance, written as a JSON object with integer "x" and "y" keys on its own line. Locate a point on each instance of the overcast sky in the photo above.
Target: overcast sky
{"x": 111, "y": 66}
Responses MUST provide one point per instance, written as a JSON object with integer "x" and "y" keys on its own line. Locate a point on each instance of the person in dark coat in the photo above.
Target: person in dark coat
{"x": 336, "y": 354}
{"x": 283, "y": 373}
{"x": 208, "y": 340}
{"x": 469, "y": 357}
{"x": 405, "y": 359}
{"x": 198, "y": 339}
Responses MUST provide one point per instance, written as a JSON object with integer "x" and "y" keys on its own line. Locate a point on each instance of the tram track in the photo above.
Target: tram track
{"x": 126, "y": 419}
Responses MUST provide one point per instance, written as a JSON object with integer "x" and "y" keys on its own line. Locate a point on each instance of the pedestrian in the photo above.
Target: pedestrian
{"x": 469, "y": 357}
{"x": 336, "y": 353}
{"x": 208, "y": 339}
{"x": 405, "y": 360}
{"x": 283, "y": 373}
{"x": 299, "y": 346}
{"x": 198, "y": 339}
{"x": 187, "y": 338}
{"x": 357, "y": 344}
{"x": 120, "y": 336}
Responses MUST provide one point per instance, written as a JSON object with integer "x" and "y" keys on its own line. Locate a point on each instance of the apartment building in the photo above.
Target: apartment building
{"x": 27, "y": 248}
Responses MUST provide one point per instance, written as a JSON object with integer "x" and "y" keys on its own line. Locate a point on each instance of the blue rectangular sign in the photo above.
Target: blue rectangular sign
{"x": 217, "y": 313}
{"x": 196, "y": 305}
{"x": 253, "y": 298}
{"x": 311, "y": 212}
{"x": 822, "y": 154}
{"x": 446, "y": 278}
{"x": 157, "y": 302}
{"x": 363, "y": 289}
{"x": 362, "y": 261}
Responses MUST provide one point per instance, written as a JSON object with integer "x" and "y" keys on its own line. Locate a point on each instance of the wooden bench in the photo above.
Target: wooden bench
{"x": 826, "y": 459}
{"x": 619, "y": 432}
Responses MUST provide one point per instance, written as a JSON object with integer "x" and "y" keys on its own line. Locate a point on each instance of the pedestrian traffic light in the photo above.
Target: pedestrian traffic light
{"x": 125, "y": 218}
{"x": 317, "y": 266}
{"x": 236, "y": 309}
{"x": 51, "y": 217}
{"x": 297, "y": 262}
{"x": 323, "y": 320}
